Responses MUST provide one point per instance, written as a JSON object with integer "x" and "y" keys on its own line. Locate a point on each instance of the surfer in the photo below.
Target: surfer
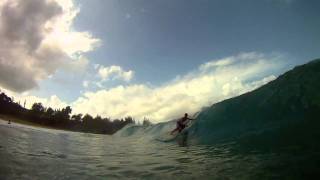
{"x": 181, "y": 123}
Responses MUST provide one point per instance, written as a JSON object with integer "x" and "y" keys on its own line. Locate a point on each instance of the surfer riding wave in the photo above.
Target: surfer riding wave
{"x": 181, "y": 123}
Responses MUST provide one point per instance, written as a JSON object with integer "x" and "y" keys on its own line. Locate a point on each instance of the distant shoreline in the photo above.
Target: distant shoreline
{"x": 61, "y": 119}
{"x": 6, "y": 118}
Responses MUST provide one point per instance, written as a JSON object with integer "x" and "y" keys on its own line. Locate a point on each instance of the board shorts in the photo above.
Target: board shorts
{"x": 180, "y": 126}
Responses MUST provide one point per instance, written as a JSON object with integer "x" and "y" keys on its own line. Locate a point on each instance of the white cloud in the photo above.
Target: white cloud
{"x": 96, "y": 66}
{"x": 114, "y": 73}
{"x": 77, "y": 65}
{"x": 85, "y": 84}
{"x": 53, "y": 101}
{"x": 219, "y": 80}
{"x": 212, "y": 82}
{"x": 213, "y": 64}
{"x": 37, "y": 38}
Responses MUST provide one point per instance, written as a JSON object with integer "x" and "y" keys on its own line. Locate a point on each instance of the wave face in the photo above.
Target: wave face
{"x": 151, "y": 132}
{"x": 284, "y": 107}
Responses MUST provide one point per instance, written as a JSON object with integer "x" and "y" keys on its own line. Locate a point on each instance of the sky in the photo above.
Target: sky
{"x": 149, "y": 59}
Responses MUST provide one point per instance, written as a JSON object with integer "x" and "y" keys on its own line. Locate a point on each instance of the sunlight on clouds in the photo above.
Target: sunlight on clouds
{"x": 37, "y": 39}
{"x": 223, "y": 62}
{"x": 53, "y": 101}
{"x": 61, "y": 33}
{"x": 212, "y": 82}
{"x": 113, "y": 73}
{"x": 77, "y": 65}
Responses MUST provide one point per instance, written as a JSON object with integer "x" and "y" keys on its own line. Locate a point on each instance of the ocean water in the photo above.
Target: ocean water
{"x": 270, "y": 133}
{"x": 135, "y": 153}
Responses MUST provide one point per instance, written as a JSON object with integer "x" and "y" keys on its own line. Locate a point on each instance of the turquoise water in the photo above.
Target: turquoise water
{"x": 35, "y": 153}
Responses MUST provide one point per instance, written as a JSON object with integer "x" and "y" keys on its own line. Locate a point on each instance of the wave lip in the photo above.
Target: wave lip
{"x": 286, "y": 104}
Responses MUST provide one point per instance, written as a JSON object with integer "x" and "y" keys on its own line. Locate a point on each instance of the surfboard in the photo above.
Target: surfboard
{"x": 167, "y": 137}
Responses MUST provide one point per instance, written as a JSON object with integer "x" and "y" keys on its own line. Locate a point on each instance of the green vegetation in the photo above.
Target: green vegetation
{"x": 41, "y": 116}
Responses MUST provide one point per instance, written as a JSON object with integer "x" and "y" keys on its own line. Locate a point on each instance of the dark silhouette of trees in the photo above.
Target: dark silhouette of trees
{"x": 50, "y": 112}
{"x": 61, "y": 119}
{"x": 146, "y": 122}
{"x": 7, "y": 106}
{"x": 37, "y": 108}
{"x": 76, "y": 117}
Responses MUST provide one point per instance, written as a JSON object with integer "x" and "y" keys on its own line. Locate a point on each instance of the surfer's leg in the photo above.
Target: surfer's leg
{"x": 182, "y": 126}
{"x": 176, "y": 129}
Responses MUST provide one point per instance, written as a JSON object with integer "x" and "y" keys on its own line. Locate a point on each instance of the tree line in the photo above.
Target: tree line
{"x": 62, "y": 118}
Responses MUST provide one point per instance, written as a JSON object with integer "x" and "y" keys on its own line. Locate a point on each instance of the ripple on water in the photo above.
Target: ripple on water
{"x": 183, "y": 160}
{"x": 113, "y": 168}
{"x": 163, "y": 168}
{"x": 30, "y": 154}
{"x": 61, "y": 156}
